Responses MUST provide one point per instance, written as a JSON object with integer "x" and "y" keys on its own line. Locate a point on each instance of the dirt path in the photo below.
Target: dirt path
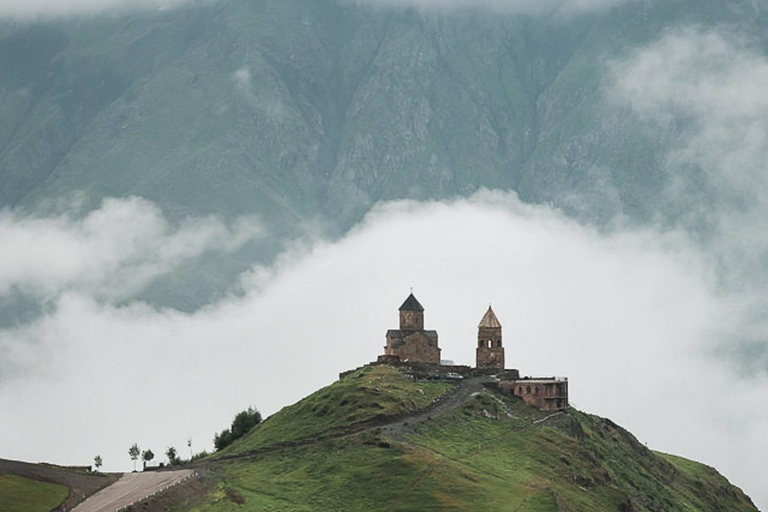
{"x": 131, "y": 488}
{"x": 467, "y": 389}
{"x": 135, "y": 487}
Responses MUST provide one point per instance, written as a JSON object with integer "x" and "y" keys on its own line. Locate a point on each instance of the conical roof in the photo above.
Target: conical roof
{"x": 490, "y": 320}
{"x": 411, "y": 304}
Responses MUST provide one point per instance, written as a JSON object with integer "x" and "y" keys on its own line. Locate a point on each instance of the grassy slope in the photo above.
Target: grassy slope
{"x": 369, "y": 394}
{"x": 488, "y": 456}
{"x": 19, "y": 494}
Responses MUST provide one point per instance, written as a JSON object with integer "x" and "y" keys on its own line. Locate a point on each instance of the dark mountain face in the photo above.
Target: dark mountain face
{"x": 290, "y": 109}
{"x": 305, "y": 108}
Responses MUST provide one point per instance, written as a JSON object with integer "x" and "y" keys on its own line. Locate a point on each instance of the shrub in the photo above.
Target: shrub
{"x": 241, "y": 425}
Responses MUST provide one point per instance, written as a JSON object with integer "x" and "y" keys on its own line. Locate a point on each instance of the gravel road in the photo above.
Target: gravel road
{"x": 132, "y": 487}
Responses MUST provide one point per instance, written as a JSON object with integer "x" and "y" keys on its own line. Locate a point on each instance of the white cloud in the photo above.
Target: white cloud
{"x": 54, "y": 8}
{"x": 35, "y": 9}
{"x": 513, "y": 6}
{"x": 112, "y": 252}
{"x": 627, "y": 316}
{"x": 708, "y": 88}
{"x": 243, "y": 80}
{"x": 713, "y": 85}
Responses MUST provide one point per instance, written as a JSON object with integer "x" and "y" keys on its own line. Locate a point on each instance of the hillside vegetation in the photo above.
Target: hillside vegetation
{"x": 493, "y": 453}
{"x": 370, "y": 394}
{"x": 19, "y": 494}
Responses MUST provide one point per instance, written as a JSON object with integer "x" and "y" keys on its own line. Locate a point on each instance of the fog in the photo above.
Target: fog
{"x": 46, "y": 9}
{"x": 708, "y": 86}
{"x": 111, "y": 252}
{"x": 508, "y": 6}
{"x": 43, "y": 9}
{"x": 630, "y": 317}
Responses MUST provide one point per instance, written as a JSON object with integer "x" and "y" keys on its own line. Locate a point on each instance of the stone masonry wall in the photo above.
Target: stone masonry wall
{"x": 415, "y": 347}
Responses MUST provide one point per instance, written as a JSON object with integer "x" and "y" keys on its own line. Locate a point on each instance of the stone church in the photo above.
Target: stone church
{"x": 411, "y": 343}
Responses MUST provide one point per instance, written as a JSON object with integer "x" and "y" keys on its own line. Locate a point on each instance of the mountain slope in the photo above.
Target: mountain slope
{"x": 491, "y": 453}
{"x": 307, "y": 110}
{"x": 299, "y": 108}
{"x": 26, "y": 487}
{"x": 19, "y": 494}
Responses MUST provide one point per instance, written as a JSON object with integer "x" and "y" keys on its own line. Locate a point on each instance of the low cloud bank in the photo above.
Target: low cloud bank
{"x": 37, "y": 9}
{"x": 42, "y": 9}
{"x": 110, "y": 253}
{"x": 706, "y": 89}
{"x": 627, "y": 316}
{"x": 509, "y": 6}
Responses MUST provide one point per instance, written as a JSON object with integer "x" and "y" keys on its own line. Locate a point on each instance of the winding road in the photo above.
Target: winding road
{"x": 134, "y": 487}
{"x": 131, "y": 488}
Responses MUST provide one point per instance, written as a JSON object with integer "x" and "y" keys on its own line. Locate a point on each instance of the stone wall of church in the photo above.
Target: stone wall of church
{"x": 414, "y": 347}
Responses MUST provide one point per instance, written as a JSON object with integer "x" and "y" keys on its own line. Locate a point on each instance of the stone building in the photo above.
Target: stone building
{"x": 490, "y": 352}
{"x": 411, "y": 343}
{"x": 546, "y": 394}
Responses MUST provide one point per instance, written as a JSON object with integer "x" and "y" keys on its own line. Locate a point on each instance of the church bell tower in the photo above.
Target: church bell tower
{"x": 490, "y": 352}
{"x": 411, "y": 315}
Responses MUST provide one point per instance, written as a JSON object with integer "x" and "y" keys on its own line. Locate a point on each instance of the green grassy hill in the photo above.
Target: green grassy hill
{"x": 490, "y": 453}
{"x": 27, "y": 487}
{"x": 19, "y": 494}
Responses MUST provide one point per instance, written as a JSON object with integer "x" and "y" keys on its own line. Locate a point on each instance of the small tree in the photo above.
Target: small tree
{"x": 134, "y": 452}
{"x": 241, "y": 425}
{"x": 97, "y": 462}
{"x": 172, "y": 456}
{"x": 221, "y": 441}
{"x": 244, "y": 422}
{"x": 147, "y": 456}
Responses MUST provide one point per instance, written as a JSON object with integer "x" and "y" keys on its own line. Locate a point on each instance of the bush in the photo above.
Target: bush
{"x": 221, "y": 441}
{"x": 244, "y": 422}
{"x": 241, "y": 425}
{"x": 203, "y": 454}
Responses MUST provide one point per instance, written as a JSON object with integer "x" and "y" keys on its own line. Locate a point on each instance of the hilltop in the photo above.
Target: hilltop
{"x": 377, "y": 441}
{"x": 28, "y": 487}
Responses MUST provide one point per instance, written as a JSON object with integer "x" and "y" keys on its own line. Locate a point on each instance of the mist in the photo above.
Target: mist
{"x": 706, "y": 88}
{"x": 46, "y": 9}
{"x": 628, "y": 316}
{"x": 508, "y": 6}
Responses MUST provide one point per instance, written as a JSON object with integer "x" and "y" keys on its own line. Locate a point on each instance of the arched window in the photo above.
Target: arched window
{"x": 528, "y": 389}
{"x": 536, "y": 390}
{"x": 520, "y": 390}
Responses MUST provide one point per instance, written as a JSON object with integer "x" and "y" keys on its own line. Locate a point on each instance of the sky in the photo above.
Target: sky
{"x": 651, "y": 324}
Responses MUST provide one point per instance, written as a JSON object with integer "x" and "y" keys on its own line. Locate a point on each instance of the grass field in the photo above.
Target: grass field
{"x": 19, "y": 494}
{"x": 368, "y": 394}
{"x": 492, "y": 454}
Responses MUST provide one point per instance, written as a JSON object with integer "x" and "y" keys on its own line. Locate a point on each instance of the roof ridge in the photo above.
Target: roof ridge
{"x": 490, "y": 320}
{"x": 411, "y": 304}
